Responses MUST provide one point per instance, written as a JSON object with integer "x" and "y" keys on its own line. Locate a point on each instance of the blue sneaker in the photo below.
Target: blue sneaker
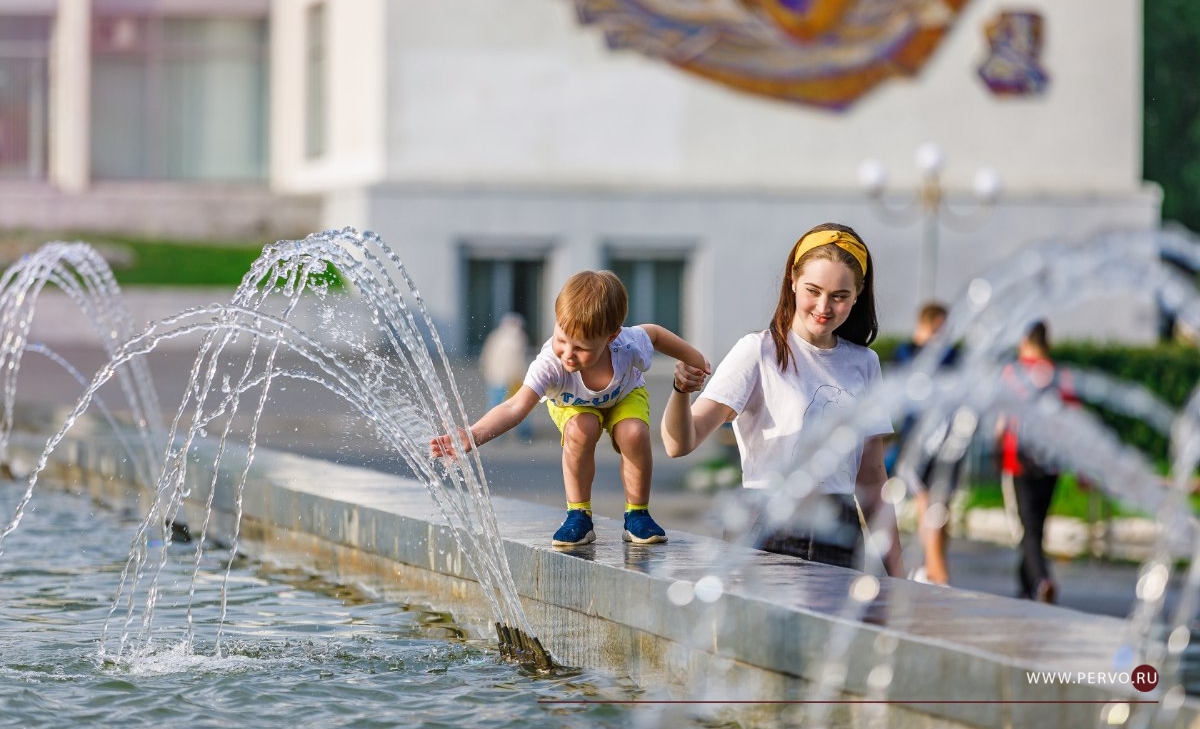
{"x": 640, "y": 528}
{"x": 576, "y": 530}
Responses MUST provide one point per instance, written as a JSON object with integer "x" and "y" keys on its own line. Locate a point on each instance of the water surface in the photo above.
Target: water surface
{"x": 294, "y": 649}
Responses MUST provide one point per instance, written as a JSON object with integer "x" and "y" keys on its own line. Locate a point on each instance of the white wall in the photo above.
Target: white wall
{"x": 504, "y": 91}
{"x": 506, "y": 119}
{"x": 738, "y": 243}
{"x": 356, "y": 43}
{"x": 70, "y": 96}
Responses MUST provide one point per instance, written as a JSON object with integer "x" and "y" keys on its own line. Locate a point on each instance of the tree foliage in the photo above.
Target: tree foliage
{"x": 1171, "y": 106}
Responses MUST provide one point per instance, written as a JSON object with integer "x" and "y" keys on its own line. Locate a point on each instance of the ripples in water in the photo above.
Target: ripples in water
{"x": 294, "y": 649}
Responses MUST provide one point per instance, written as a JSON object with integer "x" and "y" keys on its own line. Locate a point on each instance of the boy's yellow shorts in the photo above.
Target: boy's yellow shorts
{"x": 634, "y": 405}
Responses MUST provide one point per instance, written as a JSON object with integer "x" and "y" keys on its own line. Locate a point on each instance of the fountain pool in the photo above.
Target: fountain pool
{"x": 297, "y": 649}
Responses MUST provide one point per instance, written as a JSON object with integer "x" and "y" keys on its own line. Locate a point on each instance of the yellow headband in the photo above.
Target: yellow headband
{"x": 842, "y": 240}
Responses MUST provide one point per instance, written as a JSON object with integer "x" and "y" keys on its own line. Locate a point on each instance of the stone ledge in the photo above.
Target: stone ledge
{"x": 605, "y": 606}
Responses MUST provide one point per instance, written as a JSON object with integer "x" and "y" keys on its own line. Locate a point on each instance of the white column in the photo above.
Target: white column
{"x": 70, "y": 95}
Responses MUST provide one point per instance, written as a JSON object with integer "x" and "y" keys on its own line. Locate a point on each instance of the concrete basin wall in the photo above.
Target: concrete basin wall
{"x": 918, "y": 655}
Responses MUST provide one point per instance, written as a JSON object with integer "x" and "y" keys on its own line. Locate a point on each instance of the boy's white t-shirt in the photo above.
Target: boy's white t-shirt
{"x": 773, "y": 407}
{"x": 632, "y": 352}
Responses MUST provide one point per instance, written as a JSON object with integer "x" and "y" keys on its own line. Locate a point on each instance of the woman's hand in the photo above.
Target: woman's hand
{"x": 690, "y": 379}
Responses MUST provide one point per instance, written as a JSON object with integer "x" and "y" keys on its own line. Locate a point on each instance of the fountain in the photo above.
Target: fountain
{"x": 722, "y": 624}
{"x": 297, "y": 649}
{"x": 79, "y": 271}
{"x": 407, "y": 397}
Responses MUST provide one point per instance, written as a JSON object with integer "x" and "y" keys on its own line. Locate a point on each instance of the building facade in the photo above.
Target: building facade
{"x": 142, "y": 116}
{"x": 500, "y": 145}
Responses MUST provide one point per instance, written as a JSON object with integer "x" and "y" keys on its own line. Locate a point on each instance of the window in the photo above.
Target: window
{"x": 179, "y": 98}
{"x": 314, "y": 80}
{"x": 655, "y": 284}
{"x": 24, "y": 74}
{"x": 498, "y": 282}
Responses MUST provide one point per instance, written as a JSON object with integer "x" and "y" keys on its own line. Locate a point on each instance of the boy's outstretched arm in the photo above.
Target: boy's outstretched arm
{"x": 497, "y": 421}
{"x": 673, "y": 345}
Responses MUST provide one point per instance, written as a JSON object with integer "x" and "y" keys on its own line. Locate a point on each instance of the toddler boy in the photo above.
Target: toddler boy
{"x": 590, "y": 374}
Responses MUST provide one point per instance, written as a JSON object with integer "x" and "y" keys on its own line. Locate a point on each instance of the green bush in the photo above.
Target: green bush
{"x": 885, "y": 347}
{"x": 1069, "y": 500}
{"x": 1170, "y": 371}
{"x": 138, "y": 261}
{"x": 180, "y": 263}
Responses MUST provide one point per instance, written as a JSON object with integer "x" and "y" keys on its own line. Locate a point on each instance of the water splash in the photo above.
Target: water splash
{"x": 407, "y": 396}
{"x": 81, "y": 273}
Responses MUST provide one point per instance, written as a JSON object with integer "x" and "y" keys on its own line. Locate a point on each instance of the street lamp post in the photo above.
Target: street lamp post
{"x": 929, "y": 204}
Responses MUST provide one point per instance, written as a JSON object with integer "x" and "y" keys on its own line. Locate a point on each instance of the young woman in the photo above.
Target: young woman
{"x": 776, "y": 384}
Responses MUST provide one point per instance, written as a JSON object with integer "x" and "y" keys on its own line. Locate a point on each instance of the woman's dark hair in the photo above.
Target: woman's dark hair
{"x": 860, "y": 327}
{"x": 1038, "y": 336}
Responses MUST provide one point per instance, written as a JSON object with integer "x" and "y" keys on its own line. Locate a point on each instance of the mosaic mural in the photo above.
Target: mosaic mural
{"x": 826, "y": 53}
{"x": 1013, "y": 66}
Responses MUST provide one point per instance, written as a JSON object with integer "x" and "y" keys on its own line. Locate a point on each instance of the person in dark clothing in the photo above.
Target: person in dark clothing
{"x": 1033, "y": 481}
{"x": 932, "y": 524}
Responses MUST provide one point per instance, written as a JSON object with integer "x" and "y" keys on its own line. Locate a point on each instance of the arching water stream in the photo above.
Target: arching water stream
{"x": 401, "y": 385}
{"x": 406, "y": 394}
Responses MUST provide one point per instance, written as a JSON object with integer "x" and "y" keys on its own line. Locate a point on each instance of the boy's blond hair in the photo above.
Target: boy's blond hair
{"x": 591, "y": 304}
{"x": 931, "y": 312}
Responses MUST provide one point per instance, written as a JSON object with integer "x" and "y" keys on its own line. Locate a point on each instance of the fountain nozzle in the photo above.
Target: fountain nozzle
{"x": 518, "y": 646}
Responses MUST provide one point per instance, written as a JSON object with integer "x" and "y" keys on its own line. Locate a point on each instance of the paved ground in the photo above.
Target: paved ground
{"x": 311, "y": 421}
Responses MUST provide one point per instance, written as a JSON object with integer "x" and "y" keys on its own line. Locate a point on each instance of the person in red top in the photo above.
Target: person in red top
{"x": 1033, "y": 481}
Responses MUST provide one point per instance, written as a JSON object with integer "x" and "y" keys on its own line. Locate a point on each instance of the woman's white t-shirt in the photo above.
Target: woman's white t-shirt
{"x": 632, "y": 351}
{"x": 774, "y": 407}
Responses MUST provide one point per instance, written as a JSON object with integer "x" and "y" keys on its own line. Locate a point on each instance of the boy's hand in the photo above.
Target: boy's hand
{"x": 689, "y": 378}
{"x": 444, "y": 445}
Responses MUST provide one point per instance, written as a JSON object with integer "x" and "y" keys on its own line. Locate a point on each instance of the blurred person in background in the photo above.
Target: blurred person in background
{"x": 502, "y": 363}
